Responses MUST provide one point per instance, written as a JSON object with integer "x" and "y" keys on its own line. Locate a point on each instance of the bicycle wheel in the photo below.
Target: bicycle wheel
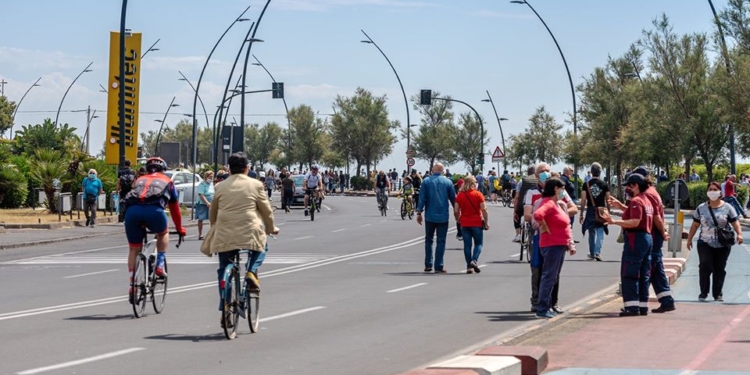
{"x": 403, "y": 209}
{"x": 230, "y": 301}
{"x": 312, "y": 210}
{"x": 529, "y": 239}
{"x": 524, "y": 240}
{"x": 410, "y": 210}
{"x": 139, "y": 287}
{"x": 159, "y": 290}
{"x": 253, "y": 307}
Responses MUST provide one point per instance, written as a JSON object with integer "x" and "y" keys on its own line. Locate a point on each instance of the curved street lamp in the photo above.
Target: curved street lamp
{"x": 570, "y": 79}
{"x": 163, "y": 121}
{"x": 406, "y": 101}
{"x": 479, "y": 118}
{"x": 286, "y": 108}
{"x": 244, "y": 69}
{"x": 85, "y": 70}
{"x": 13, "y": 117}
{"x": 199, "y": 97}
{"x": 150, "y": 49}
{"x": 499, "y": 123}
{"x": 725, "y": 52}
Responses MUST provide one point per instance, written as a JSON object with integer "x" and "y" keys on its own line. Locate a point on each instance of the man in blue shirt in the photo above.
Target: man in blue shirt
{"x": 92, "y": 187}
{"x": 435, "y": 194}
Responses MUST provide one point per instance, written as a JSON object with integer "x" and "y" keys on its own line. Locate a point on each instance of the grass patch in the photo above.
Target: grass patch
{"x": 31, "y": 216}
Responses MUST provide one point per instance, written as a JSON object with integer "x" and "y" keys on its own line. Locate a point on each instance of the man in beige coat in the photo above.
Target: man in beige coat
{"x": 241, "y": 216}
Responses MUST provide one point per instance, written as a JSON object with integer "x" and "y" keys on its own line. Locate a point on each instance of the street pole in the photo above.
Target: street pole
{"x": 163, "y": 121}
{"x": 725, "y": 52}
{"x": 244, "y": 71}
{"x": 121, "y": 83}
{"x": 479, "y": 118}
{"x": 286, "y": 108}
{"x": 85, "y": 70}
{"x": 406, "y": 101}
{"x": 570, "y": 79}
{"x": 499, "y": 123}
{"x": 13, "y": 117}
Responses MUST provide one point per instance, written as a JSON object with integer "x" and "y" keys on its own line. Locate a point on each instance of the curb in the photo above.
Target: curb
{"x": 65, "y": 239}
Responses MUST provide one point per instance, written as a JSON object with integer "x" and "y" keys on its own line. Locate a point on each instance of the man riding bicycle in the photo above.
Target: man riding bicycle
{"x": 145, "y": 208}
{"x": 417, "y": 182}
{"x": 506, "y": 184}
{"x": 382, "y": 186}
{"x": 313, "y": 183}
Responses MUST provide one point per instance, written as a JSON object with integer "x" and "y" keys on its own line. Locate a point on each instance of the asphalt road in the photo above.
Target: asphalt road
{"x": 344, "y": 294}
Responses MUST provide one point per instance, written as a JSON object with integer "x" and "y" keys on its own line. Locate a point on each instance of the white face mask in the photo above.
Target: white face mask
{"x": 713, "y": 195}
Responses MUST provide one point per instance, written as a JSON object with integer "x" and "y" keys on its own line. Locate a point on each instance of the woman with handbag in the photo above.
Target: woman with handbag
{"x": 715, "y": 240}
{"x": 471, "y": 213}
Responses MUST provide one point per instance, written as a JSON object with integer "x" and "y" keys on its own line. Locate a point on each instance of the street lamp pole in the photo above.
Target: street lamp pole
{"x": 150, "y": 49}
{"x": 283, "y": 99}
{"x": 121, "y": 84}
{"x": 199, "y": 97}
{"x": 499, "y": 123}
{"x": 725, "y": 52}
{"x": 244, "y": 70}
{"x": 85, "y": 70}
{"x": 162, "y": 121}
{"x": 13, "y": 117}
{"x": 479, "y": 118}
{"x": 406, "y": 101}
{"x": 570, "y": 79}
{"x": 219, "y": 113}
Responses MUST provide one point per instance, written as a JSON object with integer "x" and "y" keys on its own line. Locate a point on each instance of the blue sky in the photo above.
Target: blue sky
{"x": 460, "y": 48}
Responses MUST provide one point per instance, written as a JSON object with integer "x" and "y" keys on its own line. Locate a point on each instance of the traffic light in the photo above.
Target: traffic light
{"x": 278, "y": 90}
{"x": 480, "y": 159}
{"x": 425, "y": 97}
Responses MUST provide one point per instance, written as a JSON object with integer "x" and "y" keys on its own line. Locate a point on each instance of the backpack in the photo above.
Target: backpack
{"x": 497, "y": 184}
{"x": 151, "y": 189}
{"x": 126, "y": 181}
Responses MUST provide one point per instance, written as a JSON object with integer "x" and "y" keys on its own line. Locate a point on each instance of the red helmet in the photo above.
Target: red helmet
{"x": 156, "y": 165}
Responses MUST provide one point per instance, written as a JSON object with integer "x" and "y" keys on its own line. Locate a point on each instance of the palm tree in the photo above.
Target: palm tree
{"x": 49, "y": 170}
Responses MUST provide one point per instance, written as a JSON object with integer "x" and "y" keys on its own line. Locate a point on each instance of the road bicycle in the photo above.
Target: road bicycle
{"x": 506, "y": 198}
{"x": 382, "y": 203}
{"x": 527, "y": 236}
{"x": 407, "y": 207}
{"x": 145, "y": 285}
{"x": 237, "y": 300}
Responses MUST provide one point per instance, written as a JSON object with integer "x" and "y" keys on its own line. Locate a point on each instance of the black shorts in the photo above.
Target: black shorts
{"x": 310, "y": 191}
{"x": 506, "y": 187}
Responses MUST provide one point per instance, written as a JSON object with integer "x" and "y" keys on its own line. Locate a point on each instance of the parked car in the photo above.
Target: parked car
{"x": 299, "y": 192}
{"x": 182, "y": 181}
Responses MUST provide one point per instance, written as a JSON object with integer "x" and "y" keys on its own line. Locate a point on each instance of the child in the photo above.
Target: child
{"x": 407, "y": 191}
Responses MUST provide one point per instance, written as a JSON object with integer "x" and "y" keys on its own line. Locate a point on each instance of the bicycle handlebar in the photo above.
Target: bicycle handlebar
{"x": 179, "y": 238}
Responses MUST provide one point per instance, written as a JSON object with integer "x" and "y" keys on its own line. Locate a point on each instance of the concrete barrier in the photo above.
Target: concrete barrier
{"x": 534, "y": 359}
{"x": 483, "y": 365}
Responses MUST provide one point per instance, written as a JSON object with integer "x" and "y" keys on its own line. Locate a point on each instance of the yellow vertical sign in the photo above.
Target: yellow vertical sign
{"x": 129, "y": 129}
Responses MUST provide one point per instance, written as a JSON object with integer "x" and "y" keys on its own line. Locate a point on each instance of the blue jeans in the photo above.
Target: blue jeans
{"x": 736, "y": 204}
{"x": 442, "y": 232}
{"x": 596, "y": 237}
{"x": 636, "y": 270}
{"x": 475, "y": 235}
{"x": 553, "y": 259}
{"x": 659, "y": 279}
{"x": 252, "y": 264}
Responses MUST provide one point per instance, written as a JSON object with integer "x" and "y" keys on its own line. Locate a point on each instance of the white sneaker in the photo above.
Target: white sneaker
{"x": 517, "y": 238}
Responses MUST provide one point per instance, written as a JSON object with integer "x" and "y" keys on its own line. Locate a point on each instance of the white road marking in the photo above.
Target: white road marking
{"x": 293, "y": 313}
{"x": 302, "y": 238}
{"x": 326, "y": 207}
{"x": 365, "y": 225}
{"x": 688, "y": 372}
{"x": 406, "y": 288}
{"x": 212, "y": 284}
{"x": 338, "y": 230}
{"x": 482, "y": 265}
{"x": 89, "y": 274}
{"x": 173, "y": 258}
{"x": 80, "y": 361}
{"x": 515, "y": 255}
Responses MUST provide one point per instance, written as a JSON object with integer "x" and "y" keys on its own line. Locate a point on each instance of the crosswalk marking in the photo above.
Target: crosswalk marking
{"x": 292, "y": 258}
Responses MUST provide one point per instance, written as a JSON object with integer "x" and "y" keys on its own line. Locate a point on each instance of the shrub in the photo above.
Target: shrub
{"x": 13, "y": 187}
{"x": 362, "y": 183}
{"x": 696, "y": 194}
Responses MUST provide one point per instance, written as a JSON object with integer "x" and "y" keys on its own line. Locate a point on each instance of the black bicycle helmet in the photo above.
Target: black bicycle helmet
{"x": 156, "y": 165}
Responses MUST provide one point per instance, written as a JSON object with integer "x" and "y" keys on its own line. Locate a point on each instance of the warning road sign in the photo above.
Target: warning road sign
{"x": 498, "y": 155}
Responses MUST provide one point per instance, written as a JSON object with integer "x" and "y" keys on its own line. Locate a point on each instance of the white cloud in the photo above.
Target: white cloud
{"x": 495, "y": 14}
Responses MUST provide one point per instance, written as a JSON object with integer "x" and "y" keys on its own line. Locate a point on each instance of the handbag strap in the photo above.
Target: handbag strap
{"x": 472, "y": 204}
{"x": 711, "y": 211}
{"x": 591, "y": 197}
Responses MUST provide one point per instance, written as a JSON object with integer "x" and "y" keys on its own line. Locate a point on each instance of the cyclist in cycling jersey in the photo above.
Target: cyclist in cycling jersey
{"x": 382, "y": 186}
{"x": 145, "y": 207}
{"x": 313, "y": 183}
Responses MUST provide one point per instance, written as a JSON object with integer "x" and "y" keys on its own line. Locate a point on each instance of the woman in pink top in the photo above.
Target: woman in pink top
{"x": 555, "y": 239}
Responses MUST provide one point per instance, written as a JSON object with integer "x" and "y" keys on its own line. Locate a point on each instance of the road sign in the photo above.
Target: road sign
{"x": 410, "y": 162}
{"x": 498, "y": 155}
{"x": 411, "y": 153}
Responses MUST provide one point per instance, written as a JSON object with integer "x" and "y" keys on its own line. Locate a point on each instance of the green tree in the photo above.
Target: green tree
{"x": 6, "y": 114}
{"x": 49, "y": 171}
{"x": 46, "y": 136}
{"x": 261, "y": 142}
{"x": 434, "y": 140}
{"x": 308, "y": 136}
{"x": 360, "y": 128}
{"x": 544, "y": 135}
{"x": 469, "y": 142}
{"x": 520, "y": 152}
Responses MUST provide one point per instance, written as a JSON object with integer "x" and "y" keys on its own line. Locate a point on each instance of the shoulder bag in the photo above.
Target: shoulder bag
{"x": 724, "y": 235}
{"x": 484, "y": 222}
{"x": 598, "y": 211}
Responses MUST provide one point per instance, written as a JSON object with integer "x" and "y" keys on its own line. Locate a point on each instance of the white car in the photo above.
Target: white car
{"x": 182, "y": 181}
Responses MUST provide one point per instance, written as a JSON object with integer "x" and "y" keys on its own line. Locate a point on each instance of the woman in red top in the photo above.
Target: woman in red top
{"x": 469, "y": 211}
{"x": 555, "y": 239}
